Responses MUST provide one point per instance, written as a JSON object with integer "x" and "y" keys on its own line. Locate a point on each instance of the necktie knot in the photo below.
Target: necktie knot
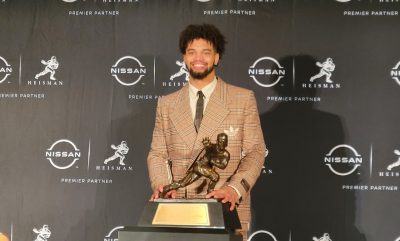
{"x": 200, "y": 94}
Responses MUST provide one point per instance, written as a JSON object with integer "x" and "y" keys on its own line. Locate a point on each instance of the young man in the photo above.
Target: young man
{"x": 186, "y": 117}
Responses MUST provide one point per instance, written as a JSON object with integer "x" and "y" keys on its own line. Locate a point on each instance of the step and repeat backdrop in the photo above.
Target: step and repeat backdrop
{"x": 79, "y": 83}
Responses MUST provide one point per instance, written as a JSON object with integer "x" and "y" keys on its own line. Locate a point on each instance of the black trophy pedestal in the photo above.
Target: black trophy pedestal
{"x": 164, "y": 220}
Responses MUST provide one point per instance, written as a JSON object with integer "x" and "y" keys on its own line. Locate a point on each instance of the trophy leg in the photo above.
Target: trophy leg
{"x": 214, "y": 177}
{"x": 169, "y": 187}
{"x": 187, "y": 180}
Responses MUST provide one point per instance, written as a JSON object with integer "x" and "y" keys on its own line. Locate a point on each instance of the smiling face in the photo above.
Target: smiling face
{"x": 200, "y": 58}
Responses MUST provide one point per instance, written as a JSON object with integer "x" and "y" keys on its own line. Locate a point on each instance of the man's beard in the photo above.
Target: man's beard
{"x": 201, "y": 75}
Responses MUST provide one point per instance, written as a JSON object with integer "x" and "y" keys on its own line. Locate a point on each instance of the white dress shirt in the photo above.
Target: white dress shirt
{"x": 207, "y": 91}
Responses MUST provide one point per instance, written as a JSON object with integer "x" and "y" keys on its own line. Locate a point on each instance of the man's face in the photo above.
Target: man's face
{"x": 200, "y": 58}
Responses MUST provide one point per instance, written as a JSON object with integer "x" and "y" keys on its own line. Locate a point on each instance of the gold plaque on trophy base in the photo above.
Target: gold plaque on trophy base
{"x": 190, "y": 214}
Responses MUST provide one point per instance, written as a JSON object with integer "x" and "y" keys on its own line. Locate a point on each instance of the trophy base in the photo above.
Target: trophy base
{"x": 176, "y": 234}
{"x": 189, "y": 213}
{"x": 184, "y": 219}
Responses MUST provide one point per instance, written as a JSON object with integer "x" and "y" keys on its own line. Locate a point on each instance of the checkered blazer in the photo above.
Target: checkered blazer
{"x": 232, "y": 110}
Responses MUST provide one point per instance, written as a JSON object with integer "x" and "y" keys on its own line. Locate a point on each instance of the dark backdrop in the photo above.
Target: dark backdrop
{"x": 330, "y": 143}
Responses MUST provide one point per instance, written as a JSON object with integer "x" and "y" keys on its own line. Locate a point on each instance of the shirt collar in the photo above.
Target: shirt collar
{"x": 207, "y": 90}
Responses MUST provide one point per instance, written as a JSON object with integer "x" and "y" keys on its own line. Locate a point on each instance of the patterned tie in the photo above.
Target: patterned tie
{"x": 199, "y": 110}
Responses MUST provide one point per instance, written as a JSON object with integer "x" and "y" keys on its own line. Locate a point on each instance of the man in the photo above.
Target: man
{"x": 184, "y": 118}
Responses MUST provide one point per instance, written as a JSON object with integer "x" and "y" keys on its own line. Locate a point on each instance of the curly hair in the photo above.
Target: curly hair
{"x": 204, "y": 31}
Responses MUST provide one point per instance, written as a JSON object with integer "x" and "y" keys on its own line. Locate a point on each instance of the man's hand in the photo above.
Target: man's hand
{"x": 156, "y": 194}
{"x": 225, "y": 194}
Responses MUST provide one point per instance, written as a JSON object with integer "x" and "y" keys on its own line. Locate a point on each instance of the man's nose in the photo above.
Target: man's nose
{"x": 198, "y": 56}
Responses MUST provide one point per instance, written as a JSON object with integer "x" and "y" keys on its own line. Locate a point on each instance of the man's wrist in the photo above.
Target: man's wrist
{"x": 237, "y": 192}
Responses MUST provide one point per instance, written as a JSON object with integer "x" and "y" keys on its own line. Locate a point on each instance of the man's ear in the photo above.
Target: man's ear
{"x": 216, "y": 61}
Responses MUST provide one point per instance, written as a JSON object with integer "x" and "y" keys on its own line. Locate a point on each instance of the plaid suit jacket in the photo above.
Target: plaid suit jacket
{"x": 232, "y": 110}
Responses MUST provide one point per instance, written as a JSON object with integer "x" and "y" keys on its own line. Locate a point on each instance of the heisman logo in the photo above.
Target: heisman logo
{"x": 64, "y": 157}
{"x": 264, "y": 170}
{"x": 262, "y": 232}
{"x": 327, "y": 69}
{"x": 110, "y": 236}
{"x": 395, "y": 73}
{"x": 128, "y": 70}
{"x": 5, "y": 69}
{"x": 182, "y": 71}
{"x": 266, "y": 72}
{"x": 325, "y": 237}
{"x": 42, "y": 234}
{"x": 120, "y": 151}
{"x": 50, "y": 67}
{"x": 396, "y": 163}
{"x": 343, "y": 162}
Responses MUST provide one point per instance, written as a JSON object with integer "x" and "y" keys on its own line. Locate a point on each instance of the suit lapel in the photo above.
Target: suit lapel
{"x": 182, "y": 119}
{"x": 214, "y": 114}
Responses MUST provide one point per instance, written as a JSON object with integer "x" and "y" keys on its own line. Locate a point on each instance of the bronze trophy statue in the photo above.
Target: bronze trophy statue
{"x": 212, "y": 155}
{"x": 190, "y": 219}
